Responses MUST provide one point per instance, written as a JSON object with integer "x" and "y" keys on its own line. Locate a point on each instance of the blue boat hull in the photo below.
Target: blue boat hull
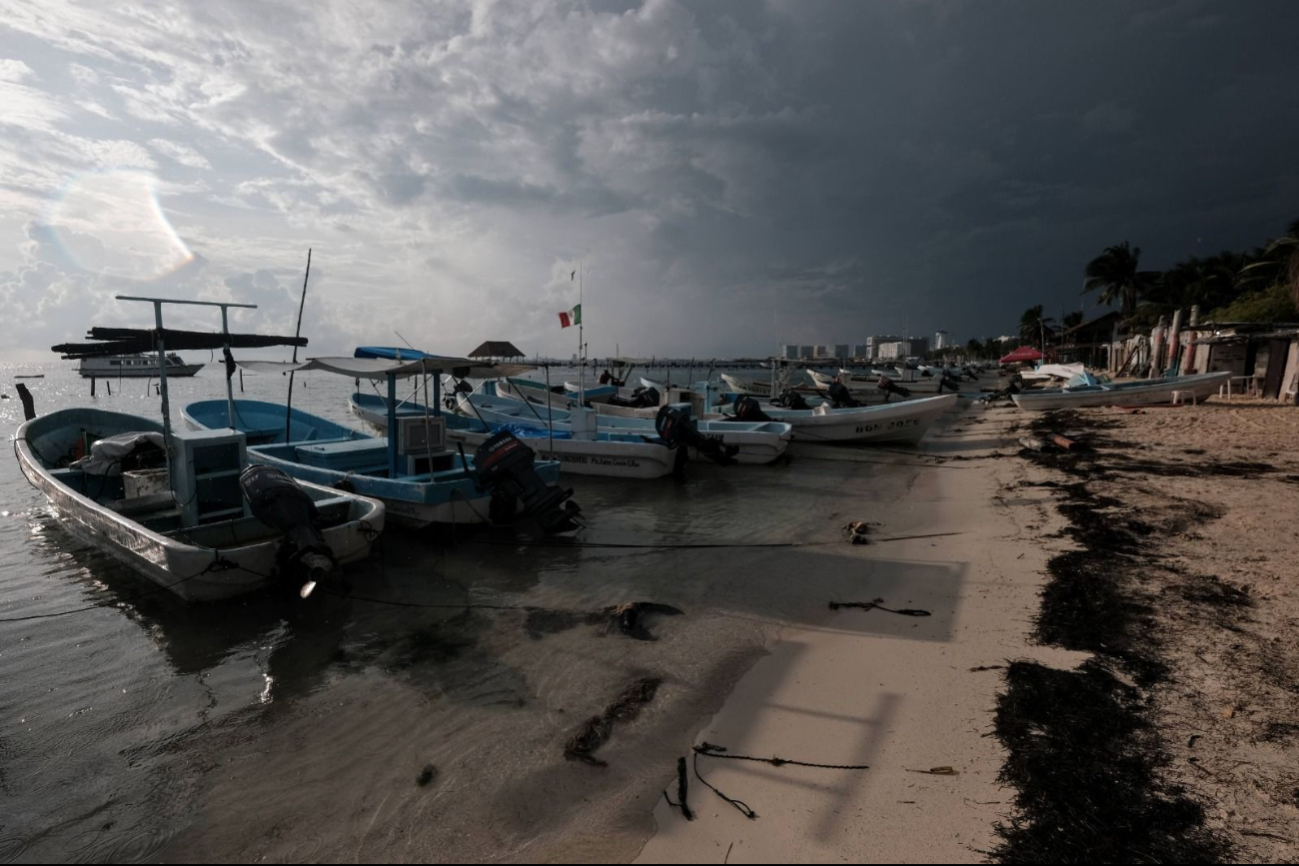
{"x": 448, "y": 497}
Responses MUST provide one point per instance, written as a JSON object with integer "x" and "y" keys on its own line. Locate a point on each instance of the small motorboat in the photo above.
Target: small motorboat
{"x": 612, "y": 455}
{"x": 184, "y": 508}
{"x": 1087, "y": 391}
{"x": 761, "y": 442}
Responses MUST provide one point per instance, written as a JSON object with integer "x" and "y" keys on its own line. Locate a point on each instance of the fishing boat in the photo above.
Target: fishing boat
{"x": 905, "y": 422}
{"x": 416, "y": 473}
{"x": 1088, "y": 391}
{"x": 134, "y": 366}
{"x": 760, "y": 442}
{"x": 184, "y": 508}
{"x": 603, "y": 453}
{"x": 753, "y": 387}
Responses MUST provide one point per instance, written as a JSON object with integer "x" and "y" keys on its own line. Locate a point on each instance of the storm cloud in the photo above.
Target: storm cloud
{"x": 731, "y": 175}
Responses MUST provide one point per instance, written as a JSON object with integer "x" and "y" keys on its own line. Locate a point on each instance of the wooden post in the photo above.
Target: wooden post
{"x": 1175, "y": 342}
{"x": 92, "y": 386}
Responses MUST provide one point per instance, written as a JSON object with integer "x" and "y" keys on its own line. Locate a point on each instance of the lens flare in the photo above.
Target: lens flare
{"x": 111, "y": 223}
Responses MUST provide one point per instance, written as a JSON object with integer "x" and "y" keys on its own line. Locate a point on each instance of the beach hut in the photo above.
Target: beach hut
{"x": 497, "y": 350}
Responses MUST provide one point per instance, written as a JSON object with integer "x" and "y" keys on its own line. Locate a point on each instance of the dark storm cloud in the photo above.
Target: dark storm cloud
{"x": 845, "y": 168}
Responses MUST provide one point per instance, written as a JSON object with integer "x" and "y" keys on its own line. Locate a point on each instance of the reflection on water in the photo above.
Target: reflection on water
{"x": 265, "y": 727}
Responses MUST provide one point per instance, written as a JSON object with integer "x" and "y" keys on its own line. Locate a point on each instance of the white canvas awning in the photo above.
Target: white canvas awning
{"x": 382, "y": 368}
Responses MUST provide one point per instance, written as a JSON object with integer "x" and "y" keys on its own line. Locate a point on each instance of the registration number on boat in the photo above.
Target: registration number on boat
{"x": 889, "y": 425}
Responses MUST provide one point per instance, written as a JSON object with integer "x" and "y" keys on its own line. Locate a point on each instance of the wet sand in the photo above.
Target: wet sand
{"x": 903, "y": 695}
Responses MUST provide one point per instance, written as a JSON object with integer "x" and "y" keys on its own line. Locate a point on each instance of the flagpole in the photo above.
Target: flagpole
{"x": 581, "y": 357}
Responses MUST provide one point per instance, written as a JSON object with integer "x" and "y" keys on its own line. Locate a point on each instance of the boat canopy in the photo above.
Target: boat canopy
{"x": 382, "y": 368}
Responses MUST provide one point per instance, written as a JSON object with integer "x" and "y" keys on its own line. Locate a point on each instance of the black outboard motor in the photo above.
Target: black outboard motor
{"x": 503, "y": 464}
{"x": 1015, "y": 387}
{"x": 278, "y": 501}
{"x": 948, "y": 383}
{"x": 840, "y": 398}
{"x": 791, "y": 399}
{"x": 676, "y": 428}
{"x": 889, "y": 387}
{"x": 641, "y": 398}
{"x": 749, "y": 410}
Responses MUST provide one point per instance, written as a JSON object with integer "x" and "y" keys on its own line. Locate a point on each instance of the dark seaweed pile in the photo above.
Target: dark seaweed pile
{"x": 1083, "y": 754}
{"x": 596, "y": 731}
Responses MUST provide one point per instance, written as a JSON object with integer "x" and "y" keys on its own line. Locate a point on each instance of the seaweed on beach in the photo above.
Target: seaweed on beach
{"x": 1084, "y": 754}
{"x": 596, "y": 730}
{"x": 1083, "y": 757}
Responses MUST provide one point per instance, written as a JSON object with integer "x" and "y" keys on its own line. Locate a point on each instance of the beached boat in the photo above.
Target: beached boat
{"x": 759, "y": 442}
{"x": 206, "y": 550}
{"x": 903, "y": 422}
{"x": 754, "y": 387}
{"x": 134, "y": 367}
{"x": 613, "y": 455}
{"x": 420, "y": 479}
{"x": 1086, "y": 391}
{"x": 184, "y": 508}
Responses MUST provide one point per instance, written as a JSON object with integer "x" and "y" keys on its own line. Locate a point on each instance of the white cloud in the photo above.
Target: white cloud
{"x": 181, "y": 153}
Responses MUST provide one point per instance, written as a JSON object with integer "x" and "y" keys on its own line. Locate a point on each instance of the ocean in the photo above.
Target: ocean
{"x": 134, "y": 727}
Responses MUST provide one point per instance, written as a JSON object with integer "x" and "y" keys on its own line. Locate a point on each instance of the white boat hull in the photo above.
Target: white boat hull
{"x": 759, "y": 443}
{"x": 903, "y": 423}
{"x": 1157, "y": 392}
{"x": 194, "y": 572}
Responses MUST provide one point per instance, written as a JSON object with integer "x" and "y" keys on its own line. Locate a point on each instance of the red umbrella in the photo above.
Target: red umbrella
{"x": 1022, "y": 355}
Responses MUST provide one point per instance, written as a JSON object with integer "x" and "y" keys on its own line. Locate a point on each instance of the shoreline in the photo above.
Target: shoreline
{"x": 903, "y": 695}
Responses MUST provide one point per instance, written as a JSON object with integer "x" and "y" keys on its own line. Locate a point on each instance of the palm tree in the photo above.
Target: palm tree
{"x": 1034, "y": 326}
{"x": 1277, "y": 263}
{"x": 1114, "y": 274}
{"x": 1073, "y": 320}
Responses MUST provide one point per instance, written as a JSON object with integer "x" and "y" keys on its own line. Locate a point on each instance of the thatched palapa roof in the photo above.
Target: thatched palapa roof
{"x": 496, "y": 349}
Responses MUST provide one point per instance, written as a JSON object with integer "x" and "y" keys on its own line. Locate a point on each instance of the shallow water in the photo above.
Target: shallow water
{"x": 145, "y": 729}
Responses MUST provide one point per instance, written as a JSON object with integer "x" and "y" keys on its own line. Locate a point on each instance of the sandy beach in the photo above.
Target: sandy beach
{"x": 1175, "y": 658}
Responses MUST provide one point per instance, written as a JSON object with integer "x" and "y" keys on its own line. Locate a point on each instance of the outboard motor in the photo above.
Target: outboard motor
{"x": 791, "y": 399}
{"x": 503, "y": 464}
{"x": 676, "y": 428}
{"x": 749, "y": 410}
{"x": 889, "y": 387}
{"x": 948, "y": 383}
{"x": 278, "y": 501}
{"x": 840, "y": 398}
{"x": 1015, "y": 387}
{"x": 641, "y": 398}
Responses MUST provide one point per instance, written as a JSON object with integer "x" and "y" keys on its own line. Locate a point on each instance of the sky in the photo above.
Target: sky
{"x": 728, "y": 176}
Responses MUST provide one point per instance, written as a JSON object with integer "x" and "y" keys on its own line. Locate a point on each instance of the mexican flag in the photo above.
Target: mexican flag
{"x": 572, "y": 317}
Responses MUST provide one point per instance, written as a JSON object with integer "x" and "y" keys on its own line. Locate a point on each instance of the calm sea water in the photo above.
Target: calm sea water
{"x": 145, "y": 729}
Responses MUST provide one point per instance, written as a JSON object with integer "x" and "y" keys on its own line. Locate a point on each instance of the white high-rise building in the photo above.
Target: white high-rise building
{"x": 942, "y": 340}
{"x": 789, "y": 353}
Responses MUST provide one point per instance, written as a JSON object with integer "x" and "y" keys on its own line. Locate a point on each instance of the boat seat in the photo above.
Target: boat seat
{"x": 347, "y": 455}
{"x": 154, "y": 504}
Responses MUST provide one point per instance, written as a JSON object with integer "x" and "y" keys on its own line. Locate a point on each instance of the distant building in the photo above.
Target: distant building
{"x": 841, "y": 350}
{"x": 824, "y": 351}
{"x": 917, "y": 347}
{"x": 873, "y": 345}
{"x": 942, "y": 340}
{"x": 861, "y": 350}
{"x": 790, "y": 353}
{"x": 895, "y": 350}
{"x": 807, "y": 352}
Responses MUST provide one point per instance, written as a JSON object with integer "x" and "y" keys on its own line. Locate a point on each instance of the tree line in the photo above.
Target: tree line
{"x": 1258, "y": 285}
